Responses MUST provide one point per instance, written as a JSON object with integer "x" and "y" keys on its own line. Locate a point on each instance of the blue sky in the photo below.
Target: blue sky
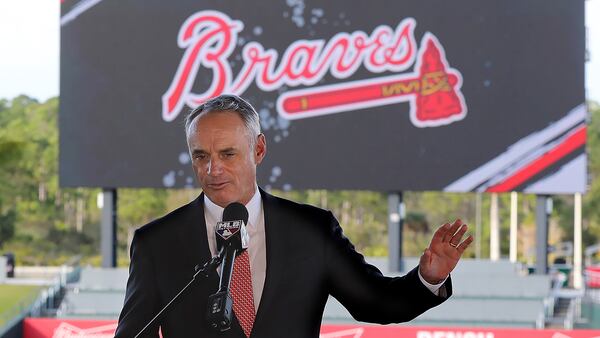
{"x": 30, "y": 54}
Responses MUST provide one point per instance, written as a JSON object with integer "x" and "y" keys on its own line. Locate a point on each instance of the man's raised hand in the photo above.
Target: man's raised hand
{"x": 444, "y": 251}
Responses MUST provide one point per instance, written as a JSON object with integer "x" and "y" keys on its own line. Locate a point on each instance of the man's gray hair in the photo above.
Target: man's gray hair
{"x": 228, "y": 103}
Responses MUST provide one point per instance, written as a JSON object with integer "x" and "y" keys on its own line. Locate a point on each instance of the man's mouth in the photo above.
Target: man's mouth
{"x": 217, "y": 185}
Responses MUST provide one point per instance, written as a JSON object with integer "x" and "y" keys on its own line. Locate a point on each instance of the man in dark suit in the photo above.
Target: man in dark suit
{"x": 297, "y": 257}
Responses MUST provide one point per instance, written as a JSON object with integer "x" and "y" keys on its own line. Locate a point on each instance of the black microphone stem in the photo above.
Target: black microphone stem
{"x": 227, "y": 269}
{"x": 205, "y": 270}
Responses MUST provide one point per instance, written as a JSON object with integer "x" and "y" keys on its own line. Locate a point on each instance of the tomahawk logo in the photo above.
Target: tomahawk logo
{"x": 433, "y": 88}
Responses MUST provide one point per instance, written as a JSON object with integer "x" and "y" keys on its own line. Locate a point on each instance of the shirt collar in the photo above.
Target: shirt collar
{"x": 216, "y": 212}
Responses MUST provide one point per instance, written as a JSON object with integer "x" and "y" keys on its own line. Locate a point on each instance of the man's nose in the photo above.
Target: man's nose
{"x": 214, "y": 167}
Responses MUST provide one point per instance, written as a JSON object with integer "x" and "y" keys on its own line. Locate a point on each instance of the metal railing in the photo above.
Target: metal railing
{"x": 44, "y": 303}
{"x": 572, "y": 315}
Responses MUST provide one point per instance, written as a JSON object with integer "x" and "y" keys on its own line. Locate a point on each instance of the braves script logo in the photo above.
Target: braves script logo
{"x": 432, "y": 88}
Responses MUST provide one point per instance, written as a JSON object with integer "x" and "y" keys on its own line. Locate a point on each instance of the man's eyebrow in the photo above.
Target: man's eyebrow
{"x": 204, "y": 152}
{"x": 198, "y": 152}
{"x": 227, "y": 150}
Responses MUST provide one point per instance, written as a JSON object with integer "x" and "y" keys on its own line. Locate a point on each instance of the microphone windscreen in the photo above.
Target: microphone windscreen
{"x": 235, "y": 211}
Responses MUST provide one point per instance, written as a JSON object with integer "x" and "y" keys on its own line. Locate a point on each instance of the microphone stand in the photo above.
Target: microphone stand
{"x": 205, "y": 271}
{"x": 220, "y": 304}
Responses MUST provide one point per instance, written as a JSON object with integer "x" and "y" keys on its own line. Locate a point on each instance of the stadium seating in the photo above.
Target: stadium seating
{"x": 99, "y": 294}
{"x": 485, "y": 294}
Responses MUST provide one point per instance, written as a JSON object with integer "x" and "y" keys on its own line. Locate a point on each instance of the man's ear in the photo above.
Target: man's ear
{"x": 260, "y": 150}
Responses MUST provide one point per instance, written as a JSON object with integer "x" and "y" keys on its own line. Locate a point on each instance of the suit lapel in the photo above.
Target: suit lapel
{"x": 275, "y": 243}
{"x": 193, "y": 238}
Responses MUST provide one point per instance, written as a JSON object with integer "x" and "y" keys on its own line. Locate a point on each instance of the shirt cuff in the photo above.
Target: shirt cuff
{"x": 434, "y": 288}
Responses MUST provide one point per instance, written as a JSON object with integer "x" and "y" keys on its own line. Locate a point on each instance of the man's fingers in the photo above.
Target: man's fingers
{"x": 451, "y": 230}
{"x": 465, "y": 244}
{"x": 455, "y": 226}
{"x": 457, "y": 237}
{"x": 441, "y": 233}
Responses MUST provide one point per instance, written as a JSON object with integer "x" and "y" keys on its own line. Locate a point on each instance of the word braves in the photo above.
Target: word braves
{"x": 209, "y": 38}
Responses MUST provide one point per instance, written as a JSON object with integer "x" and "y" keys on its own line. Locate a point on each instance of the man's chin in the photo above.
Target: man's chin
{"x": 220, "y": 198}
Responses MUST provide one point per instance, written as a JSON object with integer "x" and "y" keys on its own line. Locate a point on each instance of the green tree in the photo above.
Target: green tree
{"x": 137, "y": 207}
{"x": 7, "y": 226}
{"x": 49, "y": 224}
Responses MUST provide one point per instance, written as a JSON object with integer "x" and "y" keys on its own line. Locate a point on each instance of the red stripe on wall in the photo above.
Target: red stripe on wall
{"x": 574, "y": 141}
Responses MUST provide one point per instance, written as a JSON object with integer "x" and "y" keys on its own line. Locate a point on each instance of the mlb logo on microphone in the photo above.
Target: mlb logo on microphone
{"x": 227, "y": 229}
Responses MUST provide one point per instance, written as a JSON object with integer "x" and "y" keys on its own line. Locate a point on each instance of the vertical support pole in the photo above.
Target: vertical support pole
{"x": 513, "y": 226}
{"x": 494, "y": 229}
{"x": 396, "y": 217}
{"x": 478, "y": 226}
{"x": 543, "y": 209}
{"x": 577, "y": 245}
{"x": 108, "y": 231}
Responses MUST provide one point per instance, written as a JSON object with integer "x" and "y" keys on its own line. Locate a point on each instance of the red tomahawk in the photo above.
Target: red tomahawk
{"x": 433, "y": 91}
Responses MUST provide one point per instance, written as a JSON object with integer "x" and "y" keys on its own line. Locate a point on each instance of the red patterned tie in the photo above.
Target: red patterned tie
{"x": 241, "y": 292}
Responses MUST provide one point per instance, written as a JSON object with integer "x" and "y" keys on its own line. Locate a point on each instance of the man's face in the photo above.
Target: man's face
{"x": 224, "y": 163}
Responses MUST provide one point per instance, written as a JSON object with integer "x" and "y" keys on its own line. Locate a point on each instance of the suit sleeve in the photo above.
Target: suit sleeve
{"x": 141, "y": 303}
{"x": 365, "y": 292}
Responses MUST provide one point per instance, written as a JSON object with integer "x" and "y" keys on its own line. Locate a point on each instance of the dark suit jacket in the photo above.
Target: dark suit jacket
{"x": 308, "y": 259}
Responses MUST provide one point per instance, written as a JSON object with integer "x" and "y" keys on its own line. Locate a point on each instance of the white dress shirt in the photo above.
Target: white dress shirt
{"x": 257, "y": 249}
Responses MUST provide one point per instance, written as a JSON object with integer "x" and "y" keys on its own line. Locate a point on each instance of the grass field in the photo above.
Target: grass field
{"x": 13, "y": 295}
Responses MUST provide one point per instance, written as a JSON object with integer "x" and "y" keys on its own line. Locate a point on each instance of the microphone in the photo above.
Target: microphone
{"x": 232, "y": 239}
